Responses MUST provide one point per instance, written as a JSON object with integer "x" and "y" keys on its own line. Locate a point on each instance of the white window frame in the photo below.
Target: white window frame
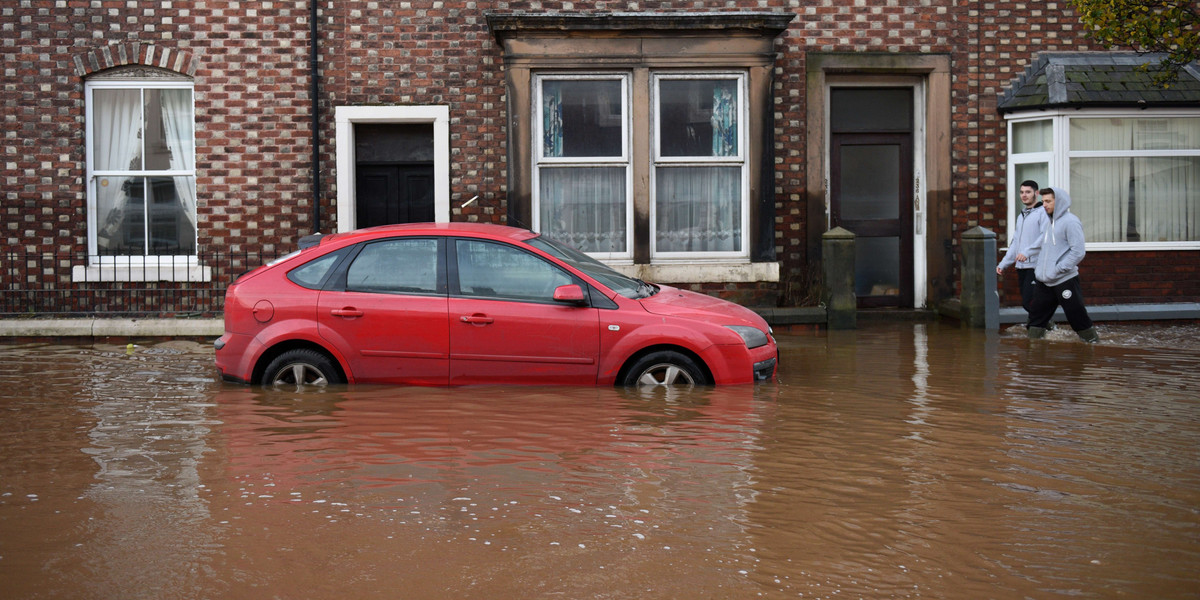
{"x": 181, "y": 268}
{"x": 540, "y": 160}
{"x": 740, "y": 160}
{"x": 1059, "y": 160}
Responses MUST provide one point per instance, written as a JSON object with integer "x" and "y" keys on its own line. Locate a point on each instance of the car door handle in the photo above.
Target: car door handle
{"x": 348, "y": 312}
{"x": 477, "y": 319}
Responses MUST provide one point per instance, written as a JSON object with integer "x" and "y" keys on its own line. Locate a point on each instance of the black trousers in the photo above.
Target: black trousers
{"x": 1047, "y": 299}
{"x": 1026, "y": 281}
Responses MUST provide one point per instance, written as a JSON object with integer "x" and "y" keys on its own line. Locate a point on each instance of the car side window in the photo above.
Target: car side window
{"x": 397, "y": 266}
{"x": 493, "y": 270}
{"x": 312, "y": 274}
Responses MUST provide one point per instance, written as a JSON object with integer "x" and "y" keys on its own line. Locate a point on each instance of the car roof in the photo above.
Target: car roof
{"x": 489, "y": 230}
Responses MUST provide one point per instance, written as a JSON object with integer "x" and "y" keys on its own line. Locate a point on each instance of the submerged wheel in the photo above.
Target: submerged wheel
{"x": 665, "y": 367}
{"x": 301, "y": 367}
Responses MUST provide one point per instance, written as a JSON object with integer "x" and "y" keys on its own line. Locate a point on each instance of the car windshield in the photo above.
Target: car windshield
{"x": 626, "y": 286}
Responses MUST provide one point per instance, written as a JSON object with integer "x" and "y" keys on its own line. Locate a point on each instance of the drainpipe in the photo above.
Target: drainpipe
{"x": 316, "y": 118}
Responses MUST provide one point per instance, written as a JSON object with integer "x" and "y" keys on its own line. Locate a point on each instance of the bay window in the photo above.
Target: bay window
{"x": 1134, "y": 177}
{"x": 582, "y": 169}
{"x": 646, "y": 138}
{"x": 583, "y": 164}
{"x": 699, "y": 167}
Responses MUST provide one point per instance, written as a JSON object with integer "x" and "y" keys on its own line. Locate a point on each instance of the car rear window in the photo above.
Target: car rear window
{"x": 312, "y": 274}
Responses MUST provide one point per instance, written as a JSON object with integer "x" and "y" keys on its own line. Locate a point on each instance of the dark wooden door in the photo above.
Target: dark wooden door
{"x": 387, "y": 194}
{"x": 872, "y": 196}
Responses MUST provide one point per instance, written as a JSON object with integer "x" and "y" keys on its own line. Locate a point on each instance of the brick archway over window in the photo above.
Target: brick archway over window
{"x": 149, "y": 55}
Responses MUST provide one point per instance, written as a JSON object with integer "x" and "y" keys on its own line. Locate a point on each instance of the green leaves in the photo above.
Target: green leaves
{"x": 1168, "y": 26}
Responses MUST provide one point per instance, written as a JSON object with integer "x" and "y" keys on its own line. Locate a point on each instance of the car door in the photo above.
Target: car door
{"x": 387, "y": 315}
{"x": 505, "y": 326}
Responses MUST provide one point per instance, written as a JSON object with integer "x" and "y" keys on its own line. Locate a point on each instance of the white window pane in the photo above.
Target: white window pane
{"x": 1153, "y": 199}
{"x": 1166, "y": 133}
{"x": 119, "y": 215}
{"x": 172, "y": 227}
{"x": 582, "y": 118}
{"x": 698, "y": 117}
{"x": 1033, "y": 136}
{"x": 117, "y": 131}
{"x": 584, "y": 207}
{"x": 168, "y": 129}
{"x": 698, "y": 209}
{"x": 1038, "y": 172}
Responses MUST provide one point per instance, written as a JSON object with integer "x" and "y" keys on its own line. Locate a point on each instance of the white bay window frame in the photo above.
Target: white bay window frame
{"x": 1061, "y": 153}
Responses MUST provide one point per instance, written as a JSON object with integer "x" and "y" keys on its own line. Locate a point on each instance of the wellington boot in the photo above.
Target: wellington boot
{"x": 1037, "y": 333}
{"x": 1089, "y": 335}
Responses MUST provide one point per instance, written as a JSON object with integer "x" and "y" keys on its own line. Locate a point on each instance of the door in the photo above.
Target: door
{"x": 505, "y": 326}
{"x": 387, "y": 194}
{"x": 394, "y": 180}
{"x": 871, "y": 188}
{"x": 389, "y": 317}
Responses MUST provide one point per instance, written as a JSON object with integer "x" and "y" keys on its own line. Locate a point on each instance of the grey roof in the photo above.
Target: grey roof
{"x": 1098, "y": 79}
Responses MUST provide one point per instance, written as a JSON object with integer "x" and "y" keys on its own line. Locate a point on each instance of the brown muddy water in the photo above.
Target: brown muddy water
{"x": 897, "y": 461}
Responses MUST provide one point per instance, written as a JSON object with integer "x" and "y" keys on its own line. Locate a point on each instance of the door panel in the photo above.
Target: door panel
{"x": 872, "y": 197}
{"x": 387, "y": 194}
{"x": 390, "y": 319}
{"x": 501, "y": 341}
{"x": 388, "y": 338}
{"x": 505, "y": 326}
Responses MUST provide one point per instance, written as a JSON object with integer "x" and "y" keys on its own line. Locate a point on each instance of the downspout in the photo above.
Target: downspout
{"x": 316, "y": 117}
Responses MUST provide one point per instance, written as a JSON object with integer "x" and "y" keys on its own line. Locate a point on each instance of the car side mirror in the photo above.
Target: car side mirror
{"x": 570, "y": 294}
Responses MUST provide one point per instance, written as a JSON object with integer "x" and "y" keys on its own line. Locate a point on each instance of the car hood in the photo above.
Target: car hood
{"x": 675, "y": 302}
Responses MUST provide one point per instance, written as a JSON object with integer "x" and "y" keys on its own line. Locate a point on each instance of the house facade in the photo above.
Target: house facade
{"x": 153, "y": 150}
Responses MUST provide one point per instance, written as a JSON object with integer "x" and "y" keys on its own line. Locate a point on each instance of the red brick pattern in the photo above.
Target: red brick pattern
{"x": 250, "y": 64}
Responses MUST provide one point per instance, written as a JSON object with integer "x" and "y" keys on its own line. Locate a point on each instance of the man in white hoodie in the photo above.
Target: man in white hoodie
{"x": 1059, "y": 253}
{"x": 1026, "y": 234}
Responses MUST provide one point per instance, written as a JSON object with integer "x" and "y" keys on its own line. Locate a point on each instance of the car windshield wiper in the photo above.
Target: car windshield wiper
{"x": 645, "y": 290}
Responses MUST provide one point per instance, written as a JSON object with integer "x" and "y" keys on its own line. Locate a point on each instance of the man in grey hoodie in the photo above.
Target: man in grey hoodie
{"x": 1026, "y": 234}
{"x": 1059, "y": 253}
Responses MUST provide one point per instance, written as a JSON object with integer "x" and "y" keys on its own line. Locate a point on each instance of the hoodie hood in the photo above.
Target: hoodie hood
{"x": 1062, "y": 202}
{"x": 1063, "y": 245}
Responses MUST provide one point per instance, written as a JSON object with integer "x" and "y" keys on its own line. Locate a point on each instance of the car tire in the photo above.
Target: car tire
{"x": 301, "y": 367}
{"x": 665, "y": 367}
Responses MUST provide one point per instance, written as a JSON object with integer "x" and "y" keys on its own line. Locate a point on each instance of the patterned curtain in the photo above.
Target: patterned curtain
{"x": 552, "y": 132}
{"x": 724, "y": 120}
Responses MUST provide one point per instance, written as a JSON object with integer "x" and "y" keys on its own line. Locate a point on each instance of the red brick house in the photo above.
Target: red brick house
{"x": 154, "y": 149}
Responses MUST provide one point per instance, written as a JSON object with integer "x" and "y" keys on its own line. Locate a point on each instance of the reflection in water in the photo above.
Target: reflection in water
{"x": 893, "y": 461}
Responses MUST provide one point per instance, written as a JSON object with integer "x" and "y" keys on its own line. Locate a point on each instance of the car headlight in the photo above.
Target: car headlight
{"x": 753, "y": 336}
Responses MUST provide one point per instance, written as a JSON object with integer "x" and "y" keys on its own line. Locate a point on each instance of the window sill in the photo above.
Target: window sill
{"x": 141, "y": 273}
{"x": 704, "y": 272}
{"x": 1140, "y": 246}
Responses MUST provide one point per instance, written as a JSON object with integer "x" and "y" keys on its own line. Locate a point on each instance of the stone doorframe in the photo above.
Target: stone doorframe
{"x": 934, "y": 73}
{"x": 345, "y": 118}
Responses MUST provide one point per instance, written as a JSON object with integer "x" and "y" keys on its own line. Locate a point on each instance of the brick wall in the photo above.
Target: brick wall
{"x": 250, "y": 63}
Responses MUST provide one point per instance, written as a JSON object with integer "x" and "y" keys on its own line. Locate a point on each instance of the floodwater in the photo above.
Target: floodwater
{"x": 896, "y": 461}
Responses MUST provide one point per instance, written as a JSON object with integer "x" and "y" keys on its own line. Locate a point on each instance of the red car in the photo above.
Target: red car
{"x": 470, "y": 303}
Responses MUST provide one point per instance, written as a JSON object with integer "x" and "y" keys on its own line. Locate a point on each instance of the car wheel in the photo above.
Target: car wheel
{"x": 665, "y": 367}
{"x": 300, "y": 368}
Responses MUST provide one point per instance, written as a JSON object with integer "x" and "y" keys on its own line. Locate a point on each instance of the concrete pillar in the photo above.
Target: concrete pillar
{"x": 980, "y": 298}
{"x": 841, "y": 305}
